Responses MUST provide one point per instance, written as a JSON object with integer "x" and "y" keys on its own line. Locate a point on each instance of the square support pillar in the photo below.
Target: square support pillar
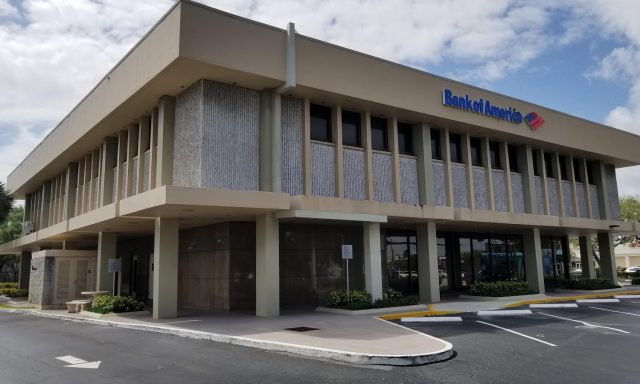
{"x": 25, "y": 270}
{"x": 107, "y": 243}
{"x": 607, "y": 258}
{"x": 533, "y": 259}
{"x": 428, "y": 263}
{"x": 267, "y": 266}
{"x": 586, "y": 257}
{"x": 165, "y": 268}
{"x": 372, "y": 260}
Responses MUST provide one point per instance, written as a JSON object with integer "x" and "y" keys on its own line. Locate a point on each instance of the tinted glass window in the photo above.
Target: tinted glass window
{"x": 494, "y": 155}
{"x": 436, "y": 149}
{"x": 351, "y": 129}
{"x": 590, "y": 178}
{"x": 513, "y": 159}
{"x": 320, "y": 123}
{"x": 577, "y": 170}
{"x": 563, "y": 168}
{"x": 379, "y": 136}
{"x": 536, "y": 168}
{"x": 405, "y": 139}
{"x": 455, "y": 147}
{"x": 476, "y": 151}
{"x": 548, "y": 165}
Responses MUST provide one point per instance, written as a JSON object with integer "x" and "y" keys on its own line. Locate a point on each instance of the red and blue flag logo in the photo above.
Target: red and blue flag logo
{"x": 533, "y": 120}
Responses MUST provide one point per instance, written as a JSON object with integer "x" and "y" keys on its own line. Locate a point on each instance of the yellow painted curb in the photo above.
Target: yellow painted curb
{"x": 398, "y": 316}
{"x": 570, "y": 298}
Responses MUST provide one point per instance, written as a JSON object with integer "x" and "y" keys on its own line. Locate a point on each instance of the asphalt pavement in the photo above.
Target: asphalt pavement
{"x": 589, "y": 344}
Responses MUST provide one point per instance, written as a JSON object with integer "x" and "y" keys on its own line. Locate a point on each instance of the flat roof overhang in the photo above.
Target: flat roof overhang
{"x": 192, "y": 42}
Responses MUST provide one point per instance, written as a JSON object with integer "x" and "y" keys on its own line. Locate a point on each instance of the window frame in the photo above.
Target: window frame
{"x": 353, "y": 120}
{"x": 408, "y": 135}
{"x": 321, "y": 112}
{"x": 384, "y": 128}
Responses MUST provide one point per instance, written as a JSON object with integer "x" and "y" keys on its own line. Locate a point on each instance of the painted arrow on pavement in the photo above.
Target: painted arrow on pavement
{"x": 74, "y": 362}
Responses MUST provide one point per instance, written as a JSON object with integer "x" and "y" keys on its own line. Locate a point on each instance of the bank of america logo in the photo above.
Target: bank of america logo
{"x": 533, "y": 120}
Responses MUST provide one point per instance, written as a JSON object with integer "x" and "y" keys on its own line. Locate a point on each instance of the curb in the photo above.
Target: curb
{"x": 317, "y": 352}
{"x": 569, "y": 298}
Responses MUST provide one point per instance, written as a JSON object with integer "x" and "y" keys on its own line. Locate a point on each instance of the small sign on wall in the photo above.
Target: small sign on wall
{"x": 114, "y": 265}
{"x": 347, "y": 251}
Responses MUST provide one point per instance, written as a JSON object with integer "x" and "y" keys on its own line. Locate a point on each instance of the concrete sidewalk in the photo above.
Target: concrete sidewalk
{"x": 357, "y": 339}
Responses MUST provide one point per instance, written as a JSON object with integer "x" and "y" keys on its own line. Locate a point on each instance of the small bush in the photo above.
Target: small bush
{"x": 501, "y": 288}
{"x": 362, "y": 299}
{"x": 14, "y": 292}
{"x": 8, "y": 285}
{"x": 590, "y": 284}
{"x": 116, "y": 304}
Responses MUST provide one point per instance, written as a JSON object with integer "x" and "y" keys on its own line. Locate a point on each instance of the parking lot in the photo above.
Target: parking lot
{"x": 592, "y": 343}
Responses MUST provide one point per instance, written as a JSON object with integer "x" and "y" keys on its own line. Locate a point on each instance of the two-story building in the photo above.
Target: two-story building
{"x": 222, "y": 164}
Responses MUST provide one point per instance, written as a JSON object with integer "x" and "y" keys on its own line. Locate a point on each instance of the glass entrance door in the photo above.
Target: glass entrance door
{"x": 400, "y": 261}
{"x": 554, "y": 261}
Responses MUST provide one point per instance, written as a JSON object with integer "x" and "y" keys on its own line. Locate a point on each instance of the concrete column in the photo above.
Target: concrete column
{"x": 422, "y": 140}
{"x": 267, "y": 266}
{"x": 428, "y": 263}
{"x": 607, "y": 258}
{"x": 166, "y": 122}
{"x": 543, "y": 172}
{"x": 447, "y": 165}
{"x": 306, "y": 147}
{"x": 600, "y": 177}
{"x": 270, "y": 140}
{"x": 107, "y": 244}
{"x": 368, "y": 155}
{"x": 466, "y": 159}
{"x": 165, "y": 268}
{"x": 109, "y": 161}
{"x": 395, "y": 158}
{"x": 506, "y": 166}
{"x": 71, "y": 185}
{"x": 336, "y": 121}
{"x": 44, "y": 207}
{"x": 486, "y": 161}
{"x": 574, "y": 189}
{"x": 560, "y": 192}
{"x": 586, "y": 257}
{"x": 533, "y": 259}
{"x": 372, "y": 260}
{"x": 25, "y": 270}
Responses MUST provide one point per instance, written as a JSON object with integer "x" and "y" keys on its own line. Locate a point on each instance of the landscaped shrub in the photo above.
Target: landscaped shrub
{"x": 590, "y": 284}
{"x": 117, "y": 304}
{"x": 501, "y": 288}
{"x": 8, "y": 285}
{"x": 14, "y": 292}
{"x": 362, "y": 299}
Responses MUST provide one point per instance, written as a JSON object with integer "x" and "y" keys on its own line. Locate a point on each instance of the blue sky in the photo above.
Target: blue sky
{"x": 581, "y": 57}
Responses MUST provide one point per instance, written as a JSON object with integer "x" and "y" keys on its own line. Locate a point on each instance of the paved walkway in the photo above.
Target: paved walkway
{"x": 359, "y": 339}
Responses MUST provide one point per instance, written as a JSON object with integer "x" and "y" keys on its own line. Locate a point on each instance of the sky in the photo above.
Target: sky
{"x": 581, "y": 57}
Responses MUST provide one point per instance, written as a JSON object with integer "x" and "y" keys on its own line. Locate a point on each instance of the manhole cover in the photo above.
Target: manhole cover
{"x": 301, "y": 329}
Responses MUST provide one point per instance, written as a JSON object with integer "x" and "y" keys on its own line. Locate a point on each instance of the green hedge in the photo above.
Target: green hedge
{"x": 117, "y": 304}
{"x": 14, "y": 292}
{"x": 8, "y": 285}
{"x": 589, "y": 284}
{"x": 501, "y": 288}
{"x": 362, "y": 299}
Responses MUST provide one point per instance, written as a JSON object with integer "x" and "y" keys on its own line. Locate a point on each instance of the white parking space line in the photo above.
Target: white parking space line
{"x": 584, "y": 323}
{"x": 516, "y": 333}
{"x": 71, "y": 359}
{"x": 437, "y": 319}
{"x": 627, "y": 297}
{"x": 565, "y": 305}
{"x": 181, "y": 321}
{"x": 501, "y": 312}
{"x": 611, "y": 310}
{"x": 598, "y": 301}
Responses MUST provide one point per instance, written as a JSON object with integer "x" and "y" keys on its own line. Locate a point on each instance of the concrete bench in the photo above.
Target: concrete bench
{"x": 75, "y": 306}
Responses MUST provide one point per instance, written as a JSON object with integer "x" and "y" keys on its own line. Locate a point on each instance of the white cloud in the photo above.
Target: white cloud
{"x": 7, "y": 10}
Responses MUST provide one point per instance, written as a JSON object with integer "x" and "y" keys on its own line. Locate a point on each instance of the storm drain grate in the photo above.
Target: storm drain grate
{"x": 301, "y": 329}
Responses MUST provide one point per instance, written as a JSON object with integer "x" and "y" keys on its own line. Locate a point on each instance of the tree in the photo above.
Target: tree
{"x": 11, "y": 229}
{"x": 6, "y": 202}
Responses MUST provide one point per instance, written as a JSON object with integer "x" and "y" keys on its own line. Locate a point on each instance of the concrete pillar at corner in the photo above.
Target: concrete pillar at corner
{"x": 25, "y": 270}
{"x": 372, "y": 260}
{"x": 165, "y": 268}
{"x": 533, "y": 259}
{"x": 428, "y": 263}
{"x": 586, "y": 257}
{"x": 107, "y": 244}
{"x": 267, "y": 266}
{"x": 607, "y": 257}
